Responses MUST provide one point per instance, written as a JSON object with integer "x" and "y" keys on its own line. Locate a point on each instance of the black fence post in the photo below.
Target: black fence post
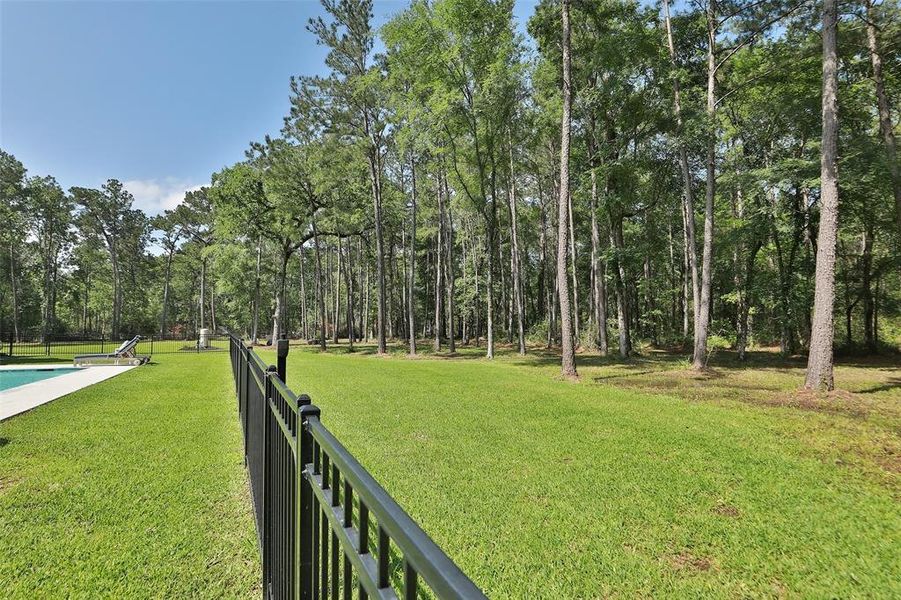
{"x": 245, "y": 359}
{"x": 282, "y": 352}
{"x": 268, "y": 475}
{"x": 305, "y": 535}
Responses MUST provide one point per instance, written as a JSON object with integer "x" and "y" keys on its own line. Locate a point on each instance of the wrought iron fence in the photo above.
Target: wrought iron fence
{"x": 65, "y": 347}
{"x": 325, "y": 525}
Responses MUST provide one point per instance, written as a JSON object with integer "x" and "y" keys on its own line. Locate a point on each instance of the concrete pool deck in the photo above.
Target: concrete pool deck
{"x": 25, "y": 397}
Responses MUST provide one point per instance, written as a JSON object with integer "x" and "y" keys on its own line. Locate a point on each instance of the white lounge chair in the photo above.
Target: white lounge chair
{"x": 123, "y": 355}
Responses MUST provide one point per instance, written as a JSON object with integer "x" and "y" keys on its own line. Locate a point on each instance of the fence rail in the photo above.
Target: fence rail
{"x": 325, "y": 525}
{"x": 69, "y": 346}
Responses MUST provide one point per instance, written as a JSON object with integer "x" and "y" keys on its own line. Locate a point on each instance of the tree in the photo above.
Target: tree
{"x": 819, "y": 361}
{"x": 352, "y": 103}
{"x": 108, "y": 214}
{"x": 195, "y": 216}
{"x": 884, "y": 107}
{"x": 172, "y": 232}
{"x": 568, "y": 358}
{"x": 51, "y": 218}
{"x": 13, "y": 214}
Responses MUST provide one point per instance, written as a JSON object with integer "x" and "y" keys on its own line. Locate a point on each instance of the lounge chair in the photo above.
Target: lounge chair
{"x": 123, "y": 355}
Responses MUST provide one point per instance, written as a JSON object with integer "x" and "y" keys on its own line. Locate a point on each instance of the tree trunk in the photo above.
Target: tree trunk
{"x": 599, "y": 293}
{"x": 477, "y": 314}
{"x": 885, "y": 111}
{"x": 256, "y": 292}
{"x": 744, "y": 328}
{"x": 213, "y": 306}
{"x": 376, "y": 180}
{"x": 568, "y": 356}
{"x": 202, "y": 297}
{"x": 367, "y": 304}
{"x": 166, "y": 277}
{"x": 876, "y": 309}
{"x": 702, "y": 315}
{"x": 819, "y": 361}
{"x": 411, "y": 273}
{"x": 688, "y": 281}
{"x": 336, "y": 291}
{"x": 117, "y": 296}
{"x": 277, "y": 315}
{"x": 303, "y": 299}
{"x": 439, "y": 268}
{"x": 15, "y": 291}
{"x": 688, "y": 209}
{"x": 545, "y": 286}
{"x": 619, "y": 276}
{"x": 320, "y": 291}
{"x": 348, "y": 283}
{"x": 866, "y": 283}
{"x": 492, "y": 232}
{"x": 574, "y": 275}
{"x": 449, "y": 266}
{"x": 515, "y": 260}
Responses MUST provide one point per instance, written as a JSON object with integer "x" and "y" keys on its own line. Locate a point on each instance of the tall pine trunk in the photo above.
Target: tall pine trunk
{"x": 449, "y": 267}
{"x": 439, "y": 265}
{"x": 303, "y": 299}
{"x": 688, "y": 210}
{"x": 515, "y": 259}
{"x": 336, "y": 290}
{"x": 885, "y": 111}
{"x": 411, "y": 273}
{"x": 702, "y": 314}
{"x": 166, "y": 279}
{"x": 376, "y": 180}
{"x": 599, "y": 292}
{"x": 15, "y": 291}
{"x": 820, "y": 359}
{"x": 574, "y": 274}
{"x": 320, "y": 291}
{"x": 568, "y": 356}
{"x": 348, "y": 283}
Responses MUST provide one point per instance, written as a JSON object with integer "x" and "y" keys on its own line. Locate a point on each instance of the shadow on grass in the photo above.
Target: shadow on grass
{"x": 892, "y": 384}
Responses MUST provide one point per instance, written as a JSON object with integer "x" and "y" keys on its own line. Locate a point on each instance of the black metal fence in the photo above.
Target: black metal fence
{"x": 56, "y": 346}
{"x": 325, "y": 526}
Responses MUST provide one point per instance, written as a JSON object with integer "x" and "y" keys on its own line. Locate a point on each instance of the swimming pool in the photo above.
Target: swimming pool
{"x": 14, "y": 378}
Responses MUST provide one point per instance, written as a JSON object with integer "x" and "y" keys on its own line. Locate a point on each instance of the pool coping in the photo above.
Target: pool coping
{"x": 26, "y": 397}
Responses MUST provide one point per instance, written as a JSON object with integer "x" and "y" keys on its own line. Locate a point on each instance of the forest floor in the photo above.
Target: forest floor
{"x": 644, "y": 479}
{"x": 132, "y": 488}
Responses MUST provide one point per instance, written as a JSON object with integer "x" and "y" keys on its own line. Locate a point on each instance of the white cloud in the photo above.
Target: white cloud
{"x": 153, "y": 196}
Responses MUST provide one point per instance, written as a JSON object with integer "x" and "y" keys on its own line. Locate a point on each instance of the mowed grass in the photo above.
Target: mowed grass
{"x": 630, "y": 483}
{"x": 132, "y": 488}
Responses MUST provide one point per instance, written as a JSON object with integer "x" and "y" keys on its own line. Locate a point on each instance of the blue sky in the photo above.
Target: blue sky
{"x": 157, "y": 93}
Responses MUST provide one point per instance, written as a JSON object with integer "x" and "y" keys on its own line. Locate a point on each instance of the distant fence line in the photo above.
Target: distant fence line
{"x": 325, "y": 527}
{"x": 66, "y": 346}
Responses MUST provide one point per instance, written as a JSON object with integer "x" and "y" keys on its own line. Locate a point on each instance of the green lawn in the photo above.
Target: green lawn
{"x": 642, "y": 480}
{"x": 132, "y": 488}
{"x": 541, "y": 488}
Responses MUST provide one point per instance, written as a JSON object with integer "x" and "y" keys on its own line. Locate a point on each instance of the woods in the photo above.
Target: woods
{"x": 609, "y": 177}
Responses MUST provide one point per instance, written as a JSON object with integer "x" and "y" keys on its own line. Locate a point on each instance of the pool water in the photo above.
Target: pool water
{"x": 16, "y": 377}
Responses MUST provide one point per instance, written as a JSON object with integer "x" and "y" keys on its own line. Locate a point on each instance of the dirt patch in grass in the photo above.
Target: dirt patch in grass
{"x": 685, "y": 560}
{"x": 837, "y": 402}
{"x": 7, "y": 482}
{"x": 725, "y": 509}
